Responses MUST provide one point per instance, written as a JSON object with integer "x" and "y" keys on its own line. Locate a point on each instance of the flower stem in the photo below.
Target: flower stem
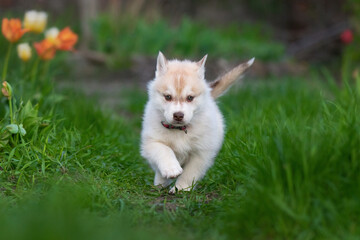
{"x": 45, "y": 69}
{"x": 34, "y": 70}
{"x": 11, "y": 110}
{"x": 6, "y": 62}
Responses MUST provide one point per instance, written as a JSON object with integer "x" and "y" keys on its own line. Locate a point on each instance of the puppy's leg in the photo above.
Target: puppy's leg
{"x": 162, "y": 158}
{"x": 194, "y": 170}
{"x": 160, "y": 181}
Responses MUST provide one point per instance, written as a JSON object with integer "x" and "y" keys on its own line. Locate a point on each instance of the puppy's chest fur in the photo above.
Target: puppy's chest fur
{"x": 183, "y": 145}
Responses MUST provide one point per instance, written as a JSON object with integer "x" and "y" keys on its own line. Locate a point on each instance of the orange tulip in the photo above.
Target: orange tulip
{"x": 12, "y": 30}
{"x": 45, "y": 49}
{"x": 66, "y": 39}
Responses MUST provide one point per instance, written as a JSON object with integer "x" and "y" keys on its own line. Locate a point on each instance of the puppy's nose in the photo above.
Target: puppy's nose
{"x": 178, "y": 116}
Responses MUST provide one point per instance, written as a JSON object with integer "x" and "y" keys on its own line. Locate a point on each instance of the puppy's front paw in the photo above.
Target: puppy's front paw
{"x": 178, "y": 189}
{"x": 172, "y": 190}
{"x": 171, "y": 171}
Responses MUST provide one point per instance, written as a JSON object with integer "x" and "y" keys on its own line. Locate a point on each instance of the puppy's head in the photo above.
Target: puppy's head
{"x": 179, "y": 89}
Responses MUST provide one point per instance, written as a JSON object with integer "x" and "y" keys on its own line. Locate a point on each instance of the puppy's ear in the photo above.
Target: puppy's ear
{"x": 201, "y": 65}
{"x": 161, "y": 65}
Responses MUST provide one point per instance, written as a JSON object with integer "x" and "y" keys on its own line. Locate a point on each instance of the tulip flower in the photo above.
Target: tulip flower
{"x": 11, "y": 29}
{"x": 63, "y": 40}
{"x": 52, "y": 34}
{"x": 45, "y": 49}
{"x": 24, "y": 51}
{"x": 66, "y": 39}
{"x": 35, "y": 21}
{"x": 347, "y": 36}
{"x": 6, "y": 90}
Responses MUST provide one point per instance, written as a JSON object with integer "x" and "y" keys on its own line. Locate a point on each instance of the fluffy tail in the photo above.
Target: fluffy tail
{"x": 220, "y": 85}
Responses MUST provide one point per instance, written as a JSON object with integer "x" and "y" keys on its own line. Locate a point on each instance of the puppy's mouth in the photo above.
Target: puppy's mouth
{"x": 178, "y": 123}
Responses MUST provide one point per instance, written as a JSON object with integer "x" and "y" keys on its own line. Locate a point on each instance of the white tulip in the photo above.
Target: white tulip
{"x": 24, "y": 51}
{"x": 35, "y": 21}
{"x": 52, "y": 33}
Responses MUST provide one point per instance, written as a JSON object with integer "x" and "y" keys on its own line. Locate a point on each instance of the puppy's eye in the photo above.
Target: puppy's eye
{"x": 167, "y": 97}
{"x": 189, "y": 98}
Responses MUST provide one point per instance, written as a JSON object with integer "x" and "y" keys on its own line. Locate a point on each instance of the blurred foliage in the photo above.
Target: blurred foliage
{"x": 128, "y": 36}
{"x": 266, "y": 8}
{"x": 351, "y": 54}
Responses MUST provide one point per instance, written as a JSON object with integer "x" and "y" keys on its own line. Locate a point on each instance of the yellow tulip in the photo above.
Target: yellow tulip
{"x": 24, "y": 51}
{"x": 52, "y": 33}
{"x": 35, "y": 21}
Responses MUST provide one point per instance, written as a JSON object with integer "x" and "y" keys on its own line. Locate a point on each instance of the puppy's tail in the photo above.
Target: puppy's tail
{"x": 221, "y": 84}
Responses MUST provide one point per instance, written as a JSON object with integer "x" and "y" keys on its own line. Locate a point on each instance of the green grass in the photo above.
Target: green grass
{"x": 288, "y": 169}
{"x": 124, "y": 37}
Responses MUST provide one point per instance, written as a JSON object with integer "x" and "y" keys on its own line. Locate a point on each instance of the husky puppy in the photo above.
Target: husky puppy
{"x": 183, "y": 128}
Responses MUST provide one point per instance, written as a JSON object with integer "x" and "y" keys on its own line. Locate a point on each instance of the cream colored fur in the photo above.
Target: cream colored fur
{"x": 172, "y": 153}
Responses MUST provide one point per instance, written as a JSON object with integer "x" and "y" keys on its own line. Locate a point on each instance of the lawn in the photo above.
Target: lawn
{"x": 288, "y": 169}
{"x": 120, "y": 41}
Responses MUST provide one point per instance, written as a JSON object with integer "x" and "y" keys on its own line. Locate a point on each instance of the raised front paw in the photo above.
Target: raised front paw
{"x": 171, "y": 171}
